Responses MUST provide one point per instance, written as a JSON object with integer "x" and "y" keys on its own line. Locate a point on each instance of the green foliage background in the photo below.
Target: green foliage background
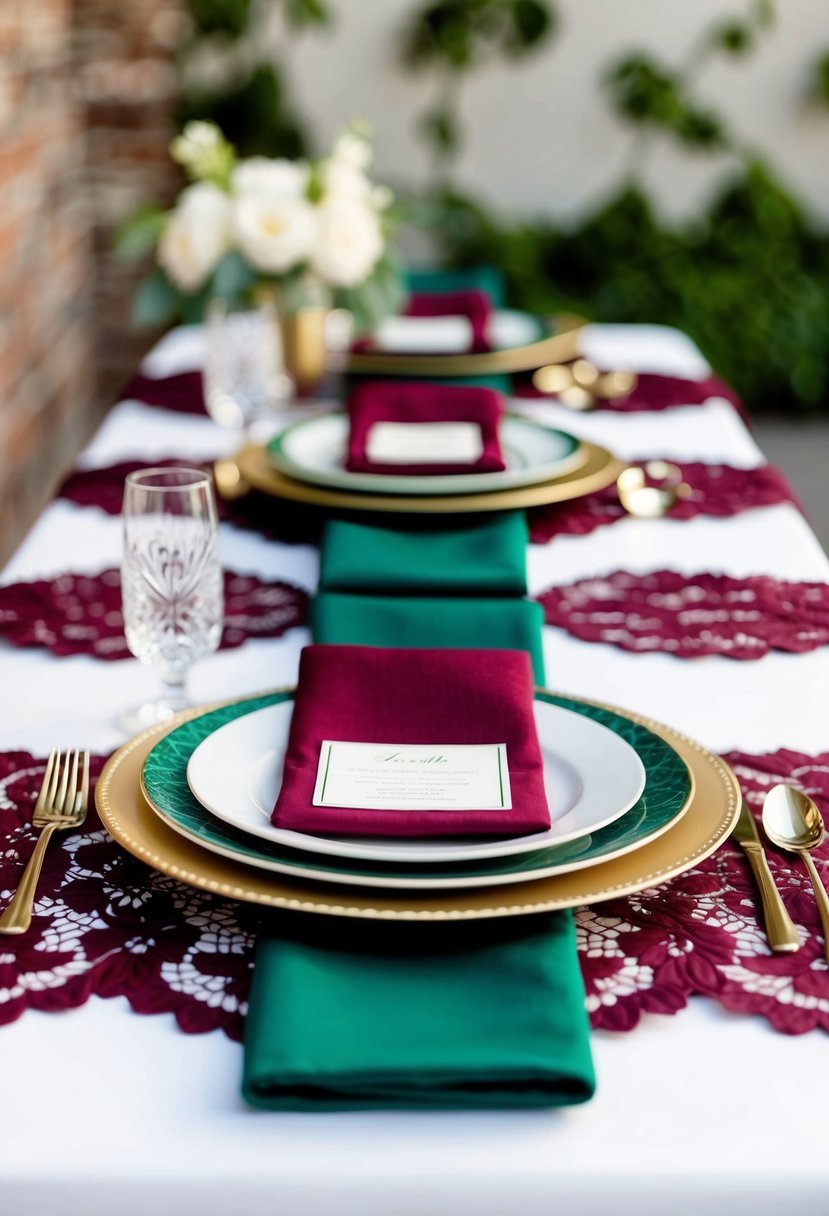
{"x": 748, "y": 279}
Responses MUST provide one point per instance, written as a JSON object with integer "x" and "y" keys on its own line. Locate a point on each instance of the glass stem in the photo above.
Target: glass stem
{"x": 173, "y": 687}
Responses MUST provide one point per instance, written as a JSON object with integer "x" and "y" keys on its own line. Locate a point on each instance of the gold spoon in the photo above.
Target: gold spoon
{"x": 793, "y": 822}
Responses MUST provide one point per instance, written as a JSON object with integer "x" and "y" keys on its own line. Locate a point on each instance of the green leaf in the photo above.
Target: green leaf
{"x": 700, "y": 129}
{"x": 139, "y": 235}
{"x": 233, "y": 278}
{"x": 157, "y": 302}
{"x": 735, "y": 38}
{"x": 642, "y": 91}
{"x": 229, "y": 17}
{"x": 382, "y": 295}
{"x": 440, "y": 127}
{"x": 532, "y": 23}
{"x": 461, "y": 34}
{"x": 300, "y": 14}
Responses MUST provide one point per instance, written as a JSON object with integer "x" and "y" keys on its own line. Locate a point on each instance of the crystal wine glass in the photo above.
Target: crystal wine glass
{"x": 244, "y": 374}
{"x": 171, "y": 580}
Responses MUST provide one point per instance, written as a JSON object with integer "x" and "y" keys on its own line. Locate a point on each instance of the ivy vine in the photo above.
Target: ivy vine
{"x": 748, "y": 279}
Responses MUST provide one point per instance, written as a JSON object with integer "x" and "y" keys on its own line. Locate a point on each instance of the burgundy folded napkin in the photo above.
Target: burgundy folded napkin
{"x": 472, "y": 303}
{"x": 182, "y": 393}
{"x": 365, "y": 694}
{"x": 415, "y": 403}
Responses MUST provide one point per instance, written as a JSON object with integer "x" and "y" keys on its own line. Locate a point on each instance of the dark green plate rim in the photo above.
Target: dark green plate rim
{"x": 667, "y": 789}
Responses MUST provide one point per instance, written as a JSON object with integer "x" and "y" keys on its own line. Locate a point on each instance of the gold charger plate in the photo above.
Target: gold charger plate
{"x": 599, "y": 469}
{"x": 557, "y": 347}
{"x": 710, "y": 817}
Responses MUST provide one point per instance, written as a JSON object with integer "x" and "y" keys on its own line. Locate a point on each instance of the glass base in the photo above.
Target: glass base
{"x": 153, "y": 713}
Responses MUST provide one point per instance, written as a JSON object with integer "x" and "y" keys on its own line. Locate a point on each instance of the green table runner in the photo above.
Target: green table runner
{"x": 376, "y": 620}
{"x": 420, "y": 556}
{"x": 352, "y": 1014}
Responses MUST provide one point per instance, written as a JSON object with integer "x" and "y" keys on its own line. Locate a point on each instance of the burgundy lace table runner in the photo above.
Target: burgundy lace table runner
{"x": 81, "y": 613}
{"x": 106, "y": 925}
{"x": 716, "y": 489}
{"x": 275, "y": 519}
{"x": 652, "y": 392}
{"x": 690, "y": 616}
{"x": 184, "y": 394}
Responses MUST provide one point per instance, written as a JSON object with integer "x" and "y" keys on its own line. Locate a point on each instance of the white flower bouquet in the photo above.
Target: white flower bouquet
{"x": 304, "y": 227}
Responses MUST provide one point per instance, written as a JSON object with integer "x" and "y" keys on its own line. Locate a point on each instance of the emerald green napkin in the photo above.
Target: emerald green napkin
{"x": 419, "y": 555}
{"x": 385, "y": 620}
{"x": 437, "y": 279}
{"x": 499, "y": 382}
{"x": 355, "y": 1015}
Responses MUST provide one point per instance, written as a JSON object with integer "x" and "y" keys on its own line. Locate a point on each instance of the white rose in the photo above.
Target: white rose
{"x": 282, "y": 179}
{"x": 274, "y": 233}
{"x": 349, "y": 244}
{"x": 342, "y": 180}
{"x": 197, "y": 235}
{"x": 352, "y": 150}
{"x": 203, "y": 151}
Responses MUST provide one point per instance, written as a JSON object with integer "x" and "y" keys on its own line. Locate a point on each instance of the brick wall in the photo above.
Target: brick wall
{"x": 86, "y": 100}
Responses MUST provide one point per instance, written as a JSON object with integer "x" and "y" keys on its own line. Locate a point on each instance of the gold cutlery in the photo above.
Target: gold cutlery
{"x": 229, "y": 480}
{"x": 580, "y": 385}
{"x": 62, "y": 803}
{"x": 780, "y": 931}
{"x": 651, "y": 501}
{"x": 793, "y": 822}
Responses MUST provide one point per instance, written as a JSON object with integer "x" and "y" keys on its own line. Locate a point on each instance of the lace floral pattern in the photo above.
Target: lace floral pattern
{"x": 106, "y": 925}
{"x": 291, "y": 523}
{"x": 81, "y": 614}
{"x": 654, "y": 392}
{"x": 716, "y": 489}
{"x": 692, "y": 616}
{"x": 276, "y": 519}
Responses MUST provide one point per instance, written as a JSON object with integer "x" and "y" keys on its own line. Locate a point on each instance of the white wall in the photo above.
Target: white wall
{"x": 541, "y": 137}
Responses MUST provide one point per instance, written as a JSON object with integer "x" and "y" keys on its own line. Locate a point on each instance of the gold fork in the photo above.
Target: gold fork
{"x": 62, "y": 803}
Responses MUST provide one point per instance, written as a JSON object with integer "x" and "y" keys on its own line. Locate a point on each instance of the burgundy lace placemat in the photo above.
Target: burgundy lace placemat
{"x": 652, "y": 392}
{"x": 182, "y": 393}
{"x": 716, "y": 489}
{"x": 275, "y": 519}
{"x": 690, "y": 616}
{"x": 107, "y": 925}
{"x": 81, "y": 613}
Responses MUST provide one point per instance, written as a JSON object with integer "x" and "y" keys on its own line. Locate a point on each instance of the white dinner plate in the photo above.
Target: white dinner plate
{"x": 591, "y": 775}
{"x": 314, "y": 450}
{"x": 452, "y": 335}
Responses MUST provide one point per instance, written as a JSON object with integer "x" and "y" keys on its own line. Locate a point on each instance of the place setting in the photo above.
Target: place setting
{"x": 617, "y": 799}
{"x": 416, "y": 446}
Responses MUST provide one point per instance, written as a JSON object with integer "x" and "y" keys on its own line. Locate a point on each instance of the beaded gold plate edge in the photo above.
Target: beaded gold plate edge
{"x": 711, "y": 816}
{"x": 599, "y": 469}
{"x": 557, "y": 347}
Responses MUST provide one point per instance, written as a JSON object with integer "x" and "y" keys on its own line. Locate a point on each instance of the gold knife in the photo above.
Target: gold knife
{"x": 780, "y": 931}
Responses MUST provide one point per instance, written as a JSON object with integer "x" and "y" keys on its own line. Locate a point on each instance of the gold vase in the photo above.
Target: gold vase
{"x": 303, "y": 346}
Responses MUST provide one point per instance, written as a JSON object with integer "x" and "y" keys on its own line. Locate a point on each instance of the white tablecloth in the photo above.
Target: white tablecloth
{"x": 109, "y": 1112}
